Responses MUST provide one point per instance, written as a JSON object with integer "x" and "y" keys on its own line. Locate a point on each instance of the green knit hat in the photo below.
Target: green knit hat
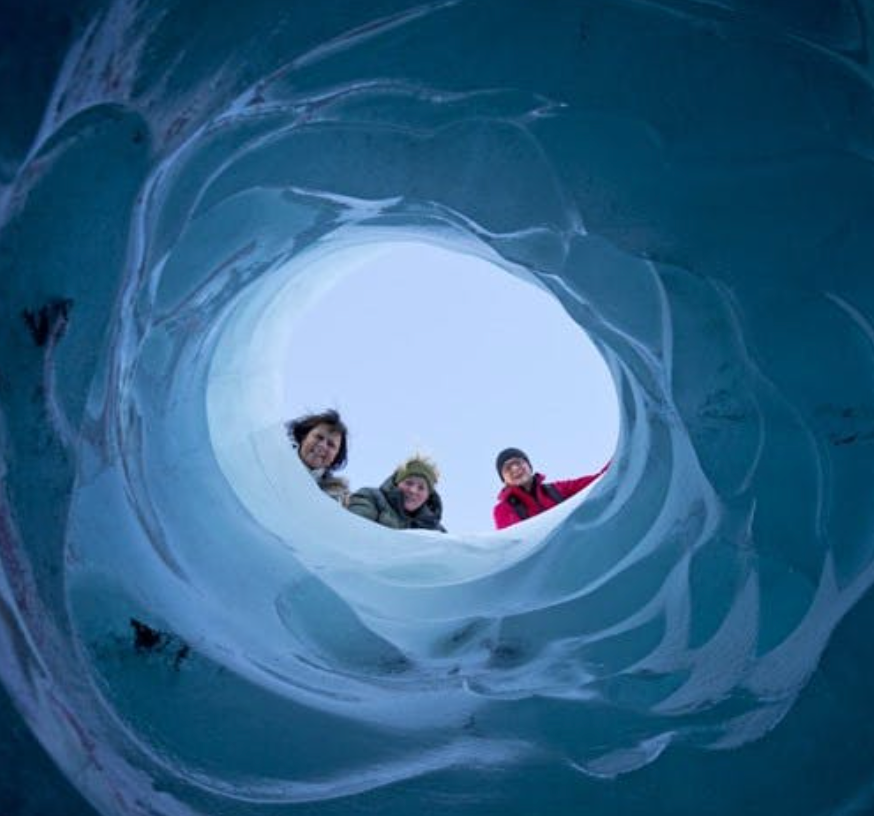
{"x": 418, "y": 466}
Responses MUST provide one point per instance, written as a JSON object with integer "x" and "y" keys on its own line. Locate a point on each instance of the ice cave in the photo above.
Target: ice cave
{"x": 687, "y": 178}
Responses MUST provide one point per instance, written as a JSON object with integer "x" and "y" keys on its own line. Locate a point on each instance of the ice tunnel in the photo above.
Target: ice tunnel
{"x": 690, "y": 179}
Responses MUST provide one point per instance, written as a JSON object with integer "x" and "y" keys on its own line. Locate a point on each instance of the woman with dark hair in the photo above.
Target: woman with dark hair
{"x": 320, "y": 440}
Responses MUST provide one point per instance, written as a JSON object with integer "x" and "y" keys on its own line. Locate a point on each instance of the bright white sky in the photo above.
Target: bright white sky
{"x": 433, "y": 351}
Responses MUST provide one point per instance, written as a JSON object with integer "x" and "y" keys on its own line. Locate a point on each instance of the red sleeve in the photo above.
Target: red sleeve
{"x": 504, "y": 515}
{"x": 571, "y": 487}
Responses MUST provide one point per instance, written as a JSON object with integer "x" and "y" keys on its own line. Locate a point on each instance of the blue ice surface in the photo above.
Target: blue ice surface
{"x": 691, "y": 181}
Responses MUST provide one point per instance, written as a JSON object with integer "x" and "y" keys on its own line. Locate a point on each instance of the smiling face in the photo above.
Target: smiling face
{"x": 415, "y": 492}
{"x": 319, "y": 448}
{"x": 517, "y": 472}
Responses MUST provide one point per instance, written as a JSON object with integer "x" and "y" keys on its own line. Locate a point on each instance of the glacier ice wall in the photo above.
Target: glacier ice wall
{"x": 691, "y": 180}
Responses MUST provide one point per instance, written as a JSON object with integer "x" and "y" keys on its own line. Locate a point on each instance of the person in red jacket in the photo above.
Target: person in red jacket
{"x": 526, "y": 493}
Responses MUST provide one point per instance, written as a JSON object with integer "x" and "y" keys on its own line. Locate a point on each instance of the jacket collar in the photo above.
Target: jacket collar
{"x": 511, "y": 490}
{"x": 317, "y": 473}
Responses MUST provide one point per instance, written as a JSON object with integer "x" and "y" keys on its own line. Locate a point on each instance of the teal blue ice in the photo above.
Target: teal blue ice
{"x": 691, "y": 179}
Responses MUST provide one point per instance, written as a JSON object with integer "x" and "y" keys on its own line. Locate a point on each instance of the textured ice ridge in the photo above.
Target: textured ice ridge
{"x": 187, "y": 627}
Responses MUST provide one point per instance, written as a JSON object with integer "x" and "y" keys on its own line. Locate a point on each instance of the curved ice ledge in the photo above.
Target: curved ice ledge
{"x": 692, "y": 183}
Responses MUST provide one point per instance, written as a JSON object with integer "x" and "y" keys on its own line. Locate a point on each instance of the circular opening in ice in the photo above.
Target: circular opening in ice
{"x": 422, "y": 347}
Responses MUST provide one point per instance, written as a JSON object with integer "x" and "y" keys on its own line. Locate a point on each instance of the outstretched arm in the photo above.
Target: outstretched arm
{"x": 571, "y": 487}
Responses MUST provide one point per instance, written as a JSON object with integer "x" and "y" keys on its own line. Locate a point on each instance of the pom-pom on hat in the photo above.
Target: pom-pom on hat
{"x": 418, "y": 466}
{"x": 506, "y": 455}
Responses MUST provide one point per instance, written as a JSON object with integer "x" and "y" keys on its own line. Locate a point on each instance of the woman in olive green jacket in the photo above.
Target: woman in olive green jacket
{"x": 406, "y": 500}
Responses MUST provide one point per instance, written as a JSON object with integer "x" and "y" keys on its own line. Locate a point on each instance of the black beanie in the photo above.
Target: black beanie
{"x": 505, "y": 455}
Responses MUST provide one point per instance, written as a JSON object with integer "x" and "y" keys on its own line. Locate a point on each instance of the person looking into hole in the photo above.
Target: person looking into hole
{"x": 320, "y": 440}
{"x": 406, "y": 500}
{"x": 526, "y": 493}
